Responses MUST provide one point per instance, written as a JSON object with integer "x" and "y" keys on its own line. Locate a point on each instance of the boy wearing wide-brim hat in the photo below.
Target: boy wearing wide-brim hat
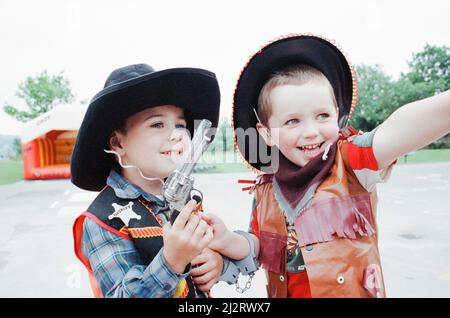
{"x": 134, "y": 131}
{"x": 314, "y": 216}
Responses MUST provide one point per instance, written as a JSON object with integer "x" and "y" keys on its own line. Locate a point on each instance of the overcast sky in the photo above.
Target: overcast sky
{"x": 88, "y": 39}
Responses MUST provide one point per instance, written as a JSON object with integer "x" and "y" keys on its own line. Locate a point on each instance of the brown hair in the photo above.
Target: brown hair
{"x": 297, "y": 75}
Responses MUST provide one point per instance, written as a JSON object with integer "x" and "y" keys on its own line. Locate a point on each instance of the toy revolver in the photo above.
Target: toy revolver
{"x": 179, "y": 186}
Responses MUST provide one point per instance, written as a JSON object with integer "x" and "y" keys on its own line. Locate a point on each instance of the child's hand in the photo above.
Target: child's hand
{"x": 210, "y": 265}
{"x": 220, "y": 231}
{"x": 186, "y": 238}
{"x": 227, "y": 243}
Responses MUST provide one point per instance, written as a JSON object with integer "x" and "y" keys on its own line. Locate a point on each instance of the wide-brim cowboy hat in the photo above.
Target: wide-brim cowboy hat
{"x": 316, "y": 51}
{"x": 127, "y": 91}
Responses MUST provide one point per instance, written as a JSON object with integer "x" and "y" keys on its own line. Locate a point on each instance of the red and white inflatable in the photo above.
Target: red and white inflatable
{"x": 48, "y": 141}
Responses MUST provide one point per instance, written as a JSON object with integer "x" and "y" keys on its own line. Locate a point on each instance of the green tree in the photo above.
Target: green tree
{"x": 432, "y": 64}
{"x": 41, "y": 93}
{"x": 379, "y": 95}
{"x": 18, "y": 147}
{"x": 223, "y": 140}
{"x": 428, "y": 75}
{"x": 375, "y": 97}
{"x": 405, "y": 91}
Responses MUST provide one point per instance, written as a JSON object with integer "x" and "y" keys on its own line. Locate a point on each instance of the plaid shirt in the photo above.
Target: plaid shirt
{"x": 115, "y": 261}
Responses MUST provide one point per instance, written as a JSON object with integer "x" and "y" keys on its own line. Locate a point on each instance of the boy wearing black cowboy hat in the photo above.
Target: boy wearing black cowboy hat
{"x": 314, "y": 215}
{"x": 133, "y": 132}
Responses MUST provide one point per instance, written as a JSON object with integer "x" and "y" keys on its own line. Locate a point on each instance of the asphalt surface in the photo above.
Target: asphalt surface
{"x": 36, "y": 246}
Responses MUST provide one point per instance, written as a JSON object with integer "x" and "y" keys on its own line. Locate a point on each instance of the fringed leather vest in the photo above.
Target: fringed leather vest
{"x": 337, "y": 235}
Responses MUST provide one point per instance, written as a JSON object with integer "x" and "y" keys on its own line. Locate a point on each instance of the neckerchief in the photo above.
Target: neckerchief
{"x": 298, "y": 184}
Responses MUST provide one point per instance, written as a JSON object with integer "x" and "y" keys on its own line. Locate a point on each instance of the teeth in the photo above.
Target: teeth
{"x": 310, "y": 147}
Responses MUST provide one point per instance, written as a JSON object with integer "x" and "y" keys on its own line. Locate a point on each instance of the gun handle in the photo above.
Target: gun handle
{"x": 175, "y": 213}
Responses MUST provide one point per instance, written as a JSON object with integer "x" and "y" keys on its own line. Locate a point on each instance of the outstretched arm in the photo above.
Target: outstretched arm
{"x": 412, "y": 127}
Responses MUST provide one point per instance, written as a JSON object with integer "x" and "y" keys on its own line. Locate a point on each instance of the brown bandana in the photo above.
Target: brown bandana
{"x": 294, "y": 181}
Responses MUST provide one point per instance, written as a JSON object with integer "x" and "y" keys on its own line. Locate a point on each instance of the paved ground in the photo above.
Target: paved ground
{"x": 37, "y": 259}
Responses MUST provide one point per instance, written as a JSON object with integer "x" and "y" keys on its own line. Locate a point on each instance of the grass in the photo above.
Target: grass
{"x": 426, "y": 155}
{"x": 231, "y": 162}
{"x": 10, "y": 171}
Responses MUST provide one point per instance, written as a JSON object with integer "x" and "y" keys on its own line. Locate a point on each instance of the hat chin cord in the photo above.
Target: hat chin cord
{"x": 132, "y": 166}
{"x": 327, "y": 149}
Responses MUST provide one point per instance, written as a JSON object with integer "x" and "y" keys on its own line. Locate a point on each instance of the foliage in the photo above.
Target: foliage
{"x": 375, "y": 95}
{"x": 40, "y": 93}
{"x": 223, "y": 140}
{"x": 379, "y": 95}
{"x": 432, "y": 64}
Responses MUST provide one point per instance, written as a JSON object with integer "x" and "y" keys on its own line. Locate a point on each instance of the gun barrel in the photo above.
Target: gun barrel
{"x": 200, "y": 142}
{"x": 178, "y": 186}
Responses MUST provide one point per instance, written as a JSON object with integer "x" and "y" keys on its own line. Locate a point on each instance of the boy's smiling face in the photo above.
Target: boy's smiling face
{"x": 154, "y": 140}
{"x": 304, "y": 118}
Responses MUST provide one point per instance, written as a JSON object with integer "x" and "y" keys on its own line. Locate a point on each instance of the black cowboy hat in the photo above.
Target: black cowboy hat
{"x": 127, "y": 91}
{"x": 308, "y": 49}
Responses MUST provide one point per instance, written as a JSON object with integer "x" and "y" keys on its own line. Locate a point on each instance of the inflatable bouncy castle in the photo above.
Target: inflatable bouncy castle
{"x": 48, "y": 141}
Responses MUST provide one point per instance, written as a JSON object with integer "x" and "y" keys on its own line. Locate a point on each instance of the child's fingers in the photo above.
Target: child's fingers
{"x": 206, "y": 287}
{"x": 193, "y": 223}
{"x": 203, "y": 279}
{"x": 199, "y": 259}
{"x": 200, "y": 230}
{"x": 184, "y": 215}
{"x": 207, "y": 238}
{"x": 209, "y": 218}
{"x": 201, "y": 270}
